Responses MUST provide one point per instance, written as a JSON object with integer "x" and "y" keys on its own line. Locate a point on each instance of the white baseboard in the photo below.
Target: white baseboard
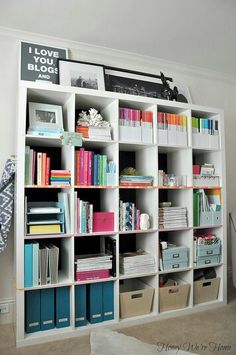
{"x": 8, "y": 318}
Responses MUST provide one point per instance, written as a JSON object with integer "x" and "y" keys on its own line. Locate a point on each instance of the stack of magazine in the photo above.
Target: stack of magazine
{"x": 92, "y": 266}
{"x": 173, "y": 217}
{"x": 137, "y": 262}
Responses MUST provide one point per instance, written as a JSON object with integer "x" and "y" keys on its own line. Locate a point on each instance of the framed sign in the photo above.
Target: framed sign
{"x": 40, "y": 62}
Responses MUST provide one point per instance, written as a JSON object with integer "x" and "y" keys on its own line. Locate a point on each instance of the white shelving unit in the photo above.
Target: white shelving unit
{"x": 180, "y": 160}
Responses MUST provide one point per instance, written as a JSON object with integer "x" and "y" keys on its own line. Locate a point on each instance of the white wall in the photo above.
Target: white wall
{"x": 206, "y": 88}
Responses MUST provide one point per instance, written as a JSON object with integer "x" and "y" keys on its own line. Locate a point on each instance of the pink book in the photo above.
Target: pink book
{"x": 137, "y": 219}
{"x": 90, "y": 154}
{"x": 47, "y": 170}
{"x": 103, "y": 221}
{"x": 77, "y": 167}
{"x": 75, "y": 212}
{"x": 33, "y": 167}
{"x": 86, "y": 167}
{"x": 78, "y": 215}
{"x": 81, "y": 167}
{"x": 92, "y": 275}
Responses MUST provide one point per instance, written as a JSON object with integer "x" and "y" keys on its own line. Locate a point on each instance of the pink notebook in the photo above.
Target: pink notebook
{"x": 103, "y": 221}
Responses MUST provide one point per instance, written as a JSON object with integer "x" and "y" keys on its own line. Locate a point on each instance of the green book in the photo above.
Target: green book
{"x": 100, "y": 170}
{"x": 104, "y": 170}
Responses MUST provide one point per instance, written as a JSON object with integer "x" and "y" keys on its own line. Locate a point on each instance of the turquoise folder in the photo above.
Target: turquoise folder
{"x": 62, "y": 307}
{"x": 80, "y": 306}
{"x": 108, "y": 300}
{"x": 47, "y": 308}
{"x": 28, "y": 265}
{"x": 95, "y": 295}
{"x": 32, "y": 311}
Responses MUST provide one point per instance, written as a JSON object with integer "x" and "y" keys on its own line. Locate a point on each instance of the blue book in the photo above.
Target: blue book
{"x": 32, "y": 311}
{"x": 47, "y": 308}
{"x": 62, "y": 307}
{"x": 108, "y": 300}
{"x": 94, "y": 299}
{"x": 80, "y": 306}
{"x": 35, "y": 264}
{"x": 28, "y": 265}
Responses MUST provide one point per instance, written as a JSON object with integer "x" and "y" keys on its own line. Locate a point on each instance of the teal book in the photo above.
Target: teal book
{"x": 28, "y": 265}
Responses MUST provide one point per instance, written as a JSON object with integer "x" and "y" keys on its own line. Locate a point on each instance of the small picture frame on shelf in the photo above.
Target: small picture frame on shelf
{"x": 81, "y": 74}
{"x": 45, "y": 117}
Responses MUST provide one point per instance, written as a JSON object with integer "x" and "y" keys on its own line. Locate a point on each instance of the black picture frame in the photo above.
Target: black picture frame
{"x": 133, "y": 82}
{"x": 91, "y": 74}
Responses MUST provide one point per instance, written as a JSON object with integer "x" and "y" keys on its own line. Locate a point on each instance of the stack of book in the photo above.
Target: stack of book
{"x": 97, "y": 133}
{"x": 40, "y": 264}
{"x": 60, "y": 177}
{"x": 129, "y": 216}
{"x": 92, "y": 169}
{"x": 173, "y": 217}
{"x": 92, "y": 266}
{"x": 136, "y": 180}
{"x": 137, "y": 262}
{"x": 83, "y": 216}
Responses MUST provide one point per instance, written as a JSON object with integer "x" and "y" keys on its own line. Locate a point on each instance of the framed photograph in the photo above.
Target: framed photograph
{"x": 133, "y": 83}
{"x": 45, "y": 117}
{"x": 81, "y": 74}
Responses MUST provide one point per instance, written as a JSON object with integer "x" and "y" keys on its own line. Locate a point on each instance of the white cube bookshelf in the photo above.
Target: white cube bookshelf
{"x": 179, "y": 159}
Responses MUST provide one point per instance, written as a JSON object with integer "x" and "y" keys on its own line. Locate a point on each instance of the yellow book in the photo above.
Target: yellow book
{"x": 45, "y": 228}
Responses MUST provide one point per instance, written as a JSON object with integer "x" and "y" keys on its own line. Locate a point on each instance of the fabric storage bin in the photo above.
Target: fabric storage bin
{"x": 175, "y": 253}
{"x": 208, "y": 250}
{"x": 135, "y": 298}
{"x": 205, "y": 290}
{"x": 175, "y": 257}
{"x": 207, "y": 260}
{"x": 174, "y": 264}
{"x": 174, "y": 297}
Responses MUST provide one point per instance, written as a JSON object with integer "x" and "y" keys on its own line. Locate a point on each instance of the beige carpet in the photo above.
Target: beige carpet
{"x": 203, "y": 333}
